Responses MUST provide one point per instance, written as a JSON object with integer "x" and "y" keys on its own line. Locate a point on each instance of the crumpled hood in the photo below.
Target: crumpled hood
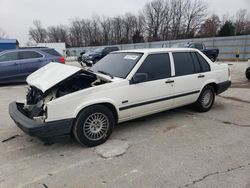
{"x": 50, "y": 75}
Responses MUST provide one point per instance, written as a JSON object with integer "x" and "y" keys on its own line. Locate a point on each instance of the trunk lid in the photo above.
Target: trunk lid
{"x": 50, "y": 75}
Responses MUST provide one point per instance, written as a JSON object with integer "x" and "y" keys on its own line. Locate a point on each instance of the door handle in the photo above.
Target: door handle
{"x": 169, "y": 81}
{"x": 201, "y": 76}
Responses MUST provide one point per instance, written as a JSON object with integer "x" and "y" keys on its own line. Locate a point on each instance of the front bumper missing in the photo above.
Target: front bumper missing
{"x": 48, "y": 132}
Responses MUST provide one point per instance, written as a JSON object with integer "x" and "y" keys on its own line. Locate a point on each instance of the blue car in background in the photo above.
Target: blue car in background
{"x": 92, "y": 57}
{"x": 16, "y": 65}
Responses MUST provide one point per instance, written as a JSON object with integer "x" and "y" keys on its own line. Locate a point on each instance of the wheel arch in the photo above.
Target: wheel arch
{"x": 109, "y": 105}
{"x": 212, "y": 84}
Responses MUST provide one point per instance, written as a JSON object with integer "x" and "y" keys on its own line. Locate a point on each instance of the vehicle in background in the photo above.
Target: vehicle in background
{"x": 64, "y": 100}
{"x": 248, "y": 70}
{"x": 92, "y": 57}
{"x": 16, "y": 65}
{"x": 212, "y": 54}
{"x": 79, "y": 58}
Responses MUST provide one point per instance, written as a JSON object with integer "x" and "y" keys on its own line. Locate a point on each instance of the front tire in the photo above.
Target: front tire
{"x": 94, "y": 125}
{"x": 205, "y": 100}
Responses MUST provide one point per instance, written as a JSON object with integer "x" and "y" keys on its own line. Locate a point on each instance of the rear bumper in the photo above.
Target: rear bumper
{"x": 223, "y": 86}
{"x": 48, "y": 132}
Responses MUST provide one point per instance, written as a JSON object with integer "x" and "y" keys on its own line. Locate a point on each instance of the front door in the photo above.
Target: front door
{"x": 153, "y": 94}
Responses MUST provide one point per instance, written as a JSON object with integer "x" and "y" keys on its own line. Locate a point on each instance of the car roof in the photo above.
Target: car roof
{"x": 156, "y": 50}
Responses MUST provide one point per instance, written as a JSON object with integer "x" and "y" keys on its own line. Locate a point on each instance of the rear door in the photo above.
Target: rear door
{"x": 9, "y": 69}
{"x": 152, "y": 95}
{"x": 188, "y": 79}
{"x": 29, "y": 62}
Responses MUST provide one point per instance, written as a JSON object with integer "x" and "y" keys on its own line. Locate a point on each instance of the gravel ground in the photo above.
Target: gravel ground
{"x": 176, "y": 148}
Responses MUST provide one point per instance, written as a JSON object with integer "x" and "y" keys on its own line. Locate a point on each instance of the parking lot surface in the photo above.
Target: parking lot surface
{"x": 176, "y": 148}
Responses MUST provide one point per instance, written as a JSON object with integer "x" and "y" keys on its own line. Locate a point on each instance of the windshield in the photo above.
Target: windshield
{"x": 98, "y": 50}
{"x": 117, "y": 64}
{"x": 180, "y": 45}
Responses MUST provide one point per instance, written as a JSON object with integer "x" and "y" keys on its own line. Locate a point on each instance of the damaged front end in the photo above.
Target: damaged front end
{"x": 45, "y": 86}
{"x": 35, "y": 106}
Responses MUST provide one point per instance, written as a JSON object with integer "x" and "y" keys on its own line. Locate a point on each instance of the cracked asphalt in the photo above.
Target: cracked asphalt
{"x": 178, "y": 148}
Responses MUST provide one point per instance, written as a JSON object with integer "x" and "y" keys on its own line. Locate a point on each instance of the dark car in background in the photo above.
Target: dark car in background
{"x": 92, "y": 57}
{"x": 16, "y": 65}
{"x": 212, "y": 54}
{"x": 79, "y": 58}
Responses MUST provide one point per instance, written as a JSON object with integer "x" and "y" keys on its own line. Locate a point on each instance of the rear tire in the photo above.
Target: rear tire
{"x": 248, "y": 73}
{"x": 205, "y": 100}
{"x": 94, "y": 125}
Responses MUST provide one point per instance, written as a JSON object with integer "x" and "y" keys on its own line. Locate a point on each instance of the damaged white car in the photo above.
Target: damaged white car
{"x": 64, "y": 100}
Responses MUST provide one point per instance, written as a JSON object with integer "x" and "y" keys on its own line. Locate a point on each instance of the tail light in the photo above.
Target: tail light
{"x": 62, "y": 60}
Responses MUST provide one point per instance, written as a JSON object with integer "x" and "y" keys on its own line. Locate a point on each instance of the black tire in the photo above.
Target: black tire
{"x": 248, "y": 73}
{"x": 205, "y": 100}
{"x": 94, "y": 125}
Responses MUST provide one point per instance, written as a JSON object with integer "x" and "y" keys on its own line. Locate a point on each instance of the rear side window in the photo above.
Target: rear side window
{"x": 157, "y": 66}
{"x": 10, "y": 56}
{"x": 29, "y": 55}
{"x": 197, "y": 66}
{"x": 51, "y": 52}
{"x": 204, "y": 64}
{"x": 183, "y": 63}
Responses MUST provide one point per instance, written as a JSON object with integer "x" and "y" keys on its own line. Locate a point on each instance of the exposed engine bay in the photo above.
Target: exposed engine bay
{"x": 36, "y": 100}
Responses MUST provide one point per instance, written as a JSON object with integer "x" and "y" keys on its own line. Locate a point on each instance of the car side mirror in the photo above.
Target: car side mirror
{"x": 139, "y": 78}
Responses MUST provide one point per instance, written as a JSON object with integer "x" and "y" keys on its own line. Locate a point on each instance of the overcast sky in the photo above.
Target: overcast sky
{"x": 16, "y": 16}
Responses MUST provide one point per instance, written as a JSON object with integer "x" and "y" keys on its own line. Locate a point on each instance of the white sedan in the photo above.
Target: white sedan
{"x": 64, "y": 100}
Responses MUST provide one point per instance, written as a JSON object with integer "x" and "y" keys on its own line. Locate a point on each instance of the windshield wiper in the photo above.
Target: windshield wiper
{"x": 106, "y": 73}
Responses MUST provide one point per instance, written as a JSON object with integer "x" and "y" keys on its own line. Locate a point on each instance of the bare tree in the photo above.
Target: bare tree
{"x": 106, "y": 30}
{"x": 154, "y": 13}
{"x": 129, "y": 24}
{"x": 210, "y": 27}
{"x": 241, "y": 22}
{"x": 138, "y": 35}
{"x": 76, "y": 33}
{"x": 166, "y": 25}
{"x": 178, "y": 10}
{"x": 195, "y": 12}
{"x": 62, "y": 33}
{"x": 53, "y": 34}
{"x": 38, "y": 33}
{"x": 158, "y": 20}
{"x": 117, "y": 26}
{"x": 96, "y": 32}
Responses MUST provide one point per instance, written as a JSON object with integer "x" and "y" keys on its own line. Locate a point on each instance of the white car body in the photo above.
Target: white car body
{"x": 63, "y": 99}
{"x": 119, "y": 91}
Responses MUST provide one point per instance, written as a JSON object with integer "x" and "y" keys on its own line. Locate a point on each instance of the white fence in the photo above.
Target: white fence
{"x": 229, "y": 46}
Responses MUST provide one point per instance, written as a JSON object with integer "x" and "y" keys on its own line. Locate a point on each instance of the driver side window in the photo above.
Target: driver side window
{"x": 156, "y": 66}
